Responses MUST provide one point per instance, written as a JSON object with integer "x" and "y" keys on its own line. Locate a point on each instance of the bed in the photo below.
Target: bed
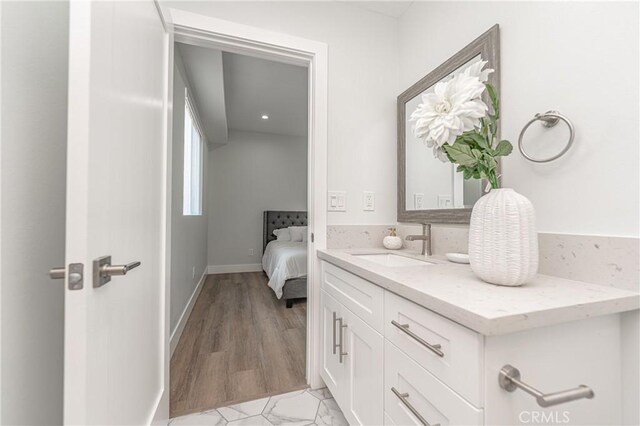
{"x": 285, "y": 263}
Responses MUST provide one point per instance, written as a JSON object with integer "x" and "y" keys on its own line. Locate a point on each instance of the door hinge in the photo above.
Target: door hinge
{"x": 312, "y": 238}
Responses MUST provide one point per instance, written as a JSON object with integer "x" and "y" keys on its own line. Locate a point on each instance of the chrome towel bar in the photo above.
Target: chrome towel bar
{"x": 509, "y": 380}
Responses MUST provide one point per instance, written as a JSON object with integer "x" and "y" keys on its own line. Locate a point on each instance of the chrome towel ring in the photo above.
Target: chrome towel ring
{"x": 548, "y": 119}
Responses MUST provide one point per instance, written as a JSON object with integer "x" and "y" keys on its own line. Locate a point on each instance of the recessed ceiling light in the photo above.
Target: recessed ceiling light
{"x": 265, "y": 117}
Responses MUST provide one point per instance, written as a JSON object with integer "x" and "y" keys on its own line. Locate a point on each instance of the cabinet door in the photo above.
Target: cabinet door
{"x": 333, "y": 370}
{"x": 364, "y": 361}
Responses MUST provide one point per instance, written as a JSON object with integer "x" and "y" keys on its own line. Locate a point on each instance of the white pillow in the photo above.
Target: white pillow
{"x": 297, "y": 232}
{"x": 282, "y": 234}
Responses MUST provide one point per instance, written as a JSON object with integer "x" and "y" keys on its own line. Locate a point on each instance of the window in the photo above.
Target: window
{"x": 193, "y": 163}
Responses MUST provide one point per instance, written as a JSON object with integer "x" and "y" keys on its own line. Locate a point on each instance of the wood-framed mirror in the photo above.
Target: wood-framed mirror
{"x": 430, "y": 191}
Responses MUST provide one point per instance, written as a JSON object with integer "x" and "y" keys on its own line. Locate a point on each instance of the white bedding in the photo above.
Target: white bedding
{"x": 282, "y": 261}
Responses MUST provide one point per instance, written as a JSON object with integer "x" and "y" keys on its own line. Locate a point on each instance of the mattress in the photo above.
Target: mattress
{"x": 282, "y": 261}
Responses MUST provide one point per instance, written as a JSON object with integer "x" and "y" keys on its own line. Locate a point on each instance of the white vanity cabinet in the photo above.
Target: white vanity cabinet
{"x": 333, "y": 369}
{"x": 353, "y": 351}
{"x": 403, "y": 364}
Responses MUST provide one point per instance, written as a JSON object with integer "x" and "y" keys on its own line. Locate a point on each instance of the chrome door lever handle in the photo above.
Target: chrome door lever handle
{"x": 118, "y": 269}
{"x": 103, "y": 270}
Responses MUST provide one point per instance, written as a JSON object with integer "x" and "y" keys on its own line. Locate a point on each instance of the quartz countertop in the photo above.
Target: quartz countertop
{"x": 453, "y": 291}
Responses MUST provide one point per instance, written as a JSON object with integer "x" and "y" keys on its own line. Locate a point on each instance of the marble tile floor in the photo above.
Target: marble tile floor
{"x": 300, "y": 408}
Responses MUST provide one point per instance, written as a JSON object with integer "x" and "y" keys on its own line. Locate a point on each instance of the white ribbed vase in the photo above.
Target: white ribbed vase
{"x": 503, "y": 243}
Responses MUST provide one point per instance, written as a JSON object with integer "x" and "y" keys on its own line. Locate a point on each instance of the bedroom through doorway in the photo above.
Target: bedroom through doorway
{"x": 239, "y": 236}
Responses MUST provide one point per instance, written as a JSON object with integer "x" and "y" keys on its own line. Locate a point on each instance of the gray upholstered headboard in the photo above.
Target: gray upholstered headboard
{"x": 275, "y": 220}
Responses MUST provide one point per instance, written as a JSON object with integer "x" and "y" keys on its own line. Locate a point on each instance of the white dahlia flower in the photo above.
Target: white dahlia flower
{"x": 455, "y": 106}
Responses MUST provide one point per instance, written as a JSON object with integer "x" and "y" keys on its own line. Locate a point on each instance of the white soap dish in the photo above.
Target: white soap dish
{"x": 458, "y": 257}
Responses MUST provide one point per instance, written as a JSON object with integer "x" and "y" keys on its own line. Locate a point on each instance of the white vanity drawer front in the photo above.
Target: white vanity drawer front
{"x": 409, "y": 388}
{"x": 458, "y": 361}
{"x": 361, "y": 297}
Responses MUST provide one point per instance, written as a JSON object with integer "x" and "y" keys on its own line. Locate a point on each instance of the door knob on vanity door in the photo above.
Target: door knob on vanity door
{"x": 103, "y": 270}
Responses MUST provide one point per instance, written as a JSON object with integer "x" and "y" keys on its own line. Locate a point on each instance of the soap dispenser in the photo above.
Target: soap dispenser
{"x": 392, "y": 241}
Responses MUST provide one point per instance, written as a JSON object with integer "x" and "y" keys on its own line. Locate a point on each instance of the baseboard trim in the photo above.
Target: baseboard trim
{"x": 231, "y": 269}
{"x": 182, "y": 322}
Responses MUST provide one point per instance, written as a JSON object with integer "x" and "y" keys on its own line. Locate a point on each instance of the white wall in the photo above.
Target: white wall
{"x": 578, "y": 58}
{"x": 363, "y": 85}
{"x": 34, "y": 112}
{"x": 254, "y": 172}
{"x": 188, "y": 233}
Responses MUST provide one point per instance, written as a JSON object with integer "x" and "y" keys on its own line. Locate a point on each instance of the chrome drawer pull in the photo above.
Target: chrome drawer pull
{"x": 509, "y": 380}
{"x": 433, "y": 348}
{"x": 342, "y": 353}
{"x": 403, "y": 398}
{"x": 335, "y": 345}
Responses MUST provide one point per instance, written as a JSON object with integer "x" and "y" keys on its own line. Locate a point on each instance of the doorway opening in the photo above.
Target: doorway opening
{"x": 226, "y": 36}
{"x": 240, "y": 235}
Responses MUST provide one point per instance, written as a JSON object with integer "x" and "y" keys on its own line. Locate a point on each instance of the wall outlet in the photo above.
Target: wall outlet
{"x": 193, "y": 272}
{"x": 369, "y": 201}
{"x": 337, "y": 201}
{"x": 445, "y": 201}
{"x": 250, "y": 252}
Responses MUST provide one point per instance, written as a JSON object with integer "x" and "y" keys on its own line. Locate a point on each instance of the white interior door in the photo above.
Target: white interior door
{"x": 115, "y": 206}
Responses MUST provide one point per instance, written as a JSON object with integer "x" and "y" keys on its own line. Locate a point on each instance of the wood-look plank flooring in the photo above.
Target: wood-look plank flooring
{"x": 240, "y": 343}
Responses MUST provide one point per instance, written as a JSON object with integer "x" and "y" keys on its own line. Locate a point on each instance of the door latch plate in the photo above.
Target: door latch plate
{"x": 76, "y": 276}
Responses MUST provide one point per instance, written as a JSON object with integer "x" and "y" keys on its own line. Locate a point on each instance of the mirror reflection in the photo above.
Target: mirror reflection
{"x": 431, "y": 183}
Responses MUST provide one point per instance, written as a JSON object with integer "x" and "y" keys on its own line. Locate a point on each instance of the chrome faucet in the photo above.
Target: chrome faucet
{"x": 425, "y": 237}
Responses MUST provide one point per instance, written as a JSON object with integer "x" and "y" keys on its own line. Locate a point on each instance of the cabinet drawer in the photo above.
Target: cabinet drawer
{"x": 361, "y": 297}
{"x": 420, "y": 391}
{"x": 458, "y": 361}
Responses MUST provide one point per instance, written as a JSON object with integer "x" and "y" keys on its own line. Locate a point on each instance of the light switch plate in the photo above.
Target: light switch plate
{"x": 337, "y": 201}
{"x": 418, "y": 201}
{"x": 369, "y": 200}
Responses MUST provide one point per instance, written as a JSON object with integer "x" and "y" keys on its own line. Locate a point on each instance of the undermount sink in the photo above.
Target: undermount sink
{"x": 392, "y": 260}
